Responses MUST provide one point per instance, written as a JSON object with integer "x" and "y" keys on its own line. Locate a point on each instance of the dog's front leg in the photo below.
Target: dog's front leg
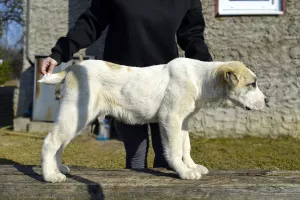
{"x": 172, "y": 139}
{"x": 186, "y": 146}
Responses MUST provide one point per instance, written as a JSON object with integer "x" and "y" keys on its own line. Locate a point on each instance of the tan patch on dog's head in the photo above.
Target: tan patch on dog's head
{"x": 113, "y": 66}
{"x": 235, "y": 74}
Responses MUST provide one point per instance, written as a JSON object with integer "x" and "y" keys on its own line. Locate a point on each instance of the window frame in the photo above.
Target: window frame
{"x": 235, "y": 7}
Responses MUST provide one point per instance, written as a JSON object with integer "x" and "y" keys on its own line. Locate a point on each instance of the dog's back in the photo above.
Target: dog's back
{"x": 131, "y": 94}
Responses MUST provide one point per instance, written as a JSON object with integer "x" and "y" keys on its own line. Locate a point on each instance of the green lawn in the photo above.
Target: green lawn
{"x": 248, "y": 153}
{"x": 222, "y": 153}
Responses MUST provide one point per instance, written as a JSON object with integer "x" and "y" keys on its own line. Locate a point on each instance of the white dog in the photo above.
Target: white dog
{"x": 168, "y": 94}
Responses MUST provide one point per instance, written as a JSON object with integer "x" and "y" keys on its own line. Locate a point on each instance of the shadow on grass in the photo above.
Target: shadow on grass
{"x": 94, "y": 189}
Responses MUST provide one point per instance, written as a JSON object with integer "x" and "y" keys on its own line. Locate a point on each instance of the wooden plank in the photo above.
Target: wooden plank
{"x": 25, "y": 182}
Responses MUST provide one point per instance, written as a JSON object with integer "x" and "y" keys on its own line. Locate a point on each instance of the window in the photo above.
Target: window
{"x": 250, "y": 7}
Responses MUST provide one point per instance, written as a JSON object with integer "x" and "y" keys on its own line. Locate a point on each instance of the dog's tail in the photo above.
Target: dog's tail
{"x": 54, "y": 78}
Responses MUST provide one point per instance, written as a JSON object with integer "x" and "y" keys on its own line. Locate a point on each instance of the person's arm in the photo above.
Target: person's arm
{"x": 190, "y": 34}
{"x": 86, "y": 31}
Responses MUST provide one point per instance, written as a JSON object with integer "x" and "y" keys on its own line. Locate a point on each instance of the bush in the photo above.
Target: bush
{"x": 5, "y": 72}
{"x": 14, "y": 57}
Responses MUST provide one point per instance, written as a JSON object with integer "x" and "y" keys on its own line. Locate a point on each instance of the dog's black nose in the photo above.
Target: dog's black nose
{"x": 267, "y": 100}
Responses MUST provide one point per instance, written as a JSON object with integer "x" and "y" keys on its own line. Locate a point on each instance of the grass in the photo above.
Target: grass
{"x": 248, "y": 153}
{"x": 220, "y": 153}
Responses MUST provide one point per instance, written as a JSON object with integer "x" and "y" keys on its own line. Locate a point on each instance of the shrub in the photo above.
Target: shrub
{"x": 5, "y": 72}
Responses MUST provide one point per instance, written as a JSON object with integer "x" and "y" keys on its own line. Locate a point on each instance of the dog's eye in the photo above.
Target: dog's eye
{"x": 252, "y": 84}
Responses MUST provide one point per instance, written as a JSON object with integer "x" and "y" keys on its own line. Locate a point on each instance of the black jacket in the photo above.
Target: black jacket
{"x": 141, "y": 33}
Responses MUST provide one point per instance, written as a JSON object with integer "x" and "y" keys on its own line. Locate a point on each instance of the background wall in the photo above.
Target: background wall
{"x": 270, "y": 45}
{"x": 45, "y": 21}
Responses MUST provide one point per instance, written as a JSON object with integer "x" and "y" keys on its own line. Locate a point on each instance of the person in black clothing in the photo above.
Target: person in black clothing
{"x": 141, "y": 33}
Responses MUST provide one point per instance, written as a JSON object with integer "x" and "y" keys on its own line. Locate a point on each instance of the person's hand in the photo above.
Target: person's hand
{"x": 48, "y": 66}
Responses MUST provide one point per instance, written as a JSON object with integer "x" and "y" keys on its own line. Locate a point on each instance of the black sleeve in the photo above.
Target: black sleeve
{"x": 190, "y": 35}
{"x": 86, "y": 30}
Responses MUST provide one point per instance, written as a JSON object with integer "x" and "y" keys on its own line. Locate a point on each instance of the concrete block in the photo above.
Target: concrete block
{"x": 21, "y": 124}
{"x": 45, "y": 127}
{"x": 39, "y": 127}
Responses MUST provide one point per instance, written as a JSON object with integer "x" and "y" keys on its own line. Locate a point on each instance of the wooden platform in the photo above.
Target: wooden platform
{"x": 25, "y": 182}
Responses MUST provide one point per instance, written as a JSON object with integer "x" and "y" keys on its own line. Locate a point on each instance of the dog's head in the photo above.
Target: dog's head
{"x": 240, "y": 85}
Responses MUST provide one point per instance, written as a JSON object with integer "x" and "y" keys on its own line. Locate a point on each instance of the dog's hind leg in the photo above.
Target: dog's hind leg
{"x": 59, "y": 167}
{"x": 186, "y": 145}
{"x": 54, "y": 143}
{"x": 51, "y": 145}
{"x": 67, "y": 126}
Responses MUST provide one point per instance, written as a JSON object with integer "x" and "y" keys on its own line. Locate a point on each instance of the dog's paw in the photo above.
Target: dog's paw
{"x": 54, "y": 178}
{"x": 202, "y": 169}
{"x": 190, "y": 163}
{"x": 191, "y": 174}
{"x": 64, "y": 169}
{"x": 193, "y": 166}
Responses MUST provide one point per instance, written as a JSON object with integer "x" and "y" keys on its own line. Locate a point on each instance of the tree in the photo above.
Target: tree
{"x": 10, "y": 11}
{"x": 5, "y": 72}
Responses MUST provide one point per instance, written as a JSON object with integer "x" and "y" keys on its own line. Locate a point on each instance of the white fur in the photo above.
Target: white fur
{"x": 168, "y": 94}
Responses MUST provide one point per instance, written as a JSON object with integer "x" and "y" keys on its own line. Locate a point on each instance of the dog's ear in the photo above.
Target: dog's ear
{"x": 231, "y": 78}
{"x": 227, "y": 75}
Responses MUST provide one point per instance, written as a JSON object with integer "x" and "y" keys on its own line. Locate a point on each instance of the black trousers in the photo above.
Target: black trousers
{"x": 136, "y": 142}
